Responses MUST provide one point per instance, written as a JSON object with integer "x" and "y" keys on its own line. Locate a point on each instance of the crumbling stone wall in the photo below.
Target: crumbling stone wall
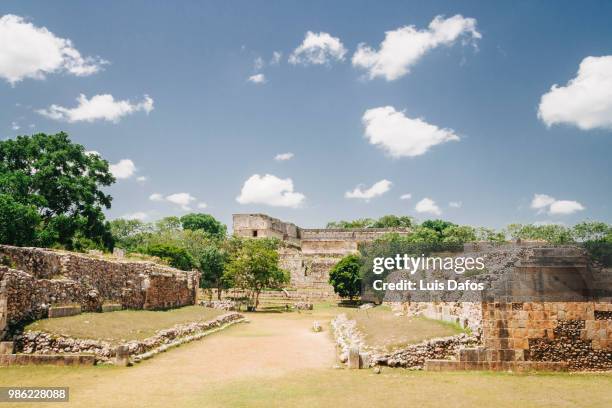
{"x": 39, "y": 278}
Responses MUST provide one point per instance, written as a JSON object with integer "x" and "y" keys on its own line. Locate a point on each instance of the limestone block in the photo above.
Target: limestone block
{"x": 7, "y": 347}
{"x": 122, "y": 356}
{"x": 353, "y": 358}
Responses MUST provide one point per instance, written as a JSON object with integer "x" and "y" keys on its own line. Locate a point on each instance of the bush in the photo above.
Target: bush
{"x": 344, "y": 276}
{"x": 176, "y": 257}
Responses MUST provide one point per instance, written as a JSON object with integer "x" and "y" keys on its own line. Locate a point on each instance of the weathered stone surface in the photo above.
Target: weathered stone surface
{"x": 48, "y": 359}
{"x": 353, "y": 358}
{"x": 7, "y": 347}
{"x": 63, "y": 311}
{"x": 122, "y": 355}
{"x": 38, "y": 279}
{"x": 36, "y": 342}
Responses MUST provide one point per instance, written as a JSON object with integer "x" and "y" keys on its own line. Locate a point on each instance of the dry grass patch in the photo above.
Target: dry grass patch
{"x": 383, "y": 329}
{"x": 117, "y": 327}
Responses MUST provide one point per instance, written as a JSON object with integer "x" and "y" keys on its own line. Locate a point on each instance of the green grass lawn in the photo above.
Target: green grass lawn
{"x": 119, "y": 326}
{"x": 382, "y": 329}
{"x": 403, "y": 388}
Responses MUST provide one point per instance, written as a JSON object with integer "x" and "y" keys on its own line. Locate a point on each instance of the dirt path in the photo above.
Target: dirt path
{"x": 269, "y": 346}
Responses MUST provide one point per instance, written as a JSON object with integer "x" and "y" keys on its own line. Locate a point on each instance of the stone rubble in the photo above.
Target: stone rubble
{"x": 348, "y": 338}
{"x": 37, "y": 342}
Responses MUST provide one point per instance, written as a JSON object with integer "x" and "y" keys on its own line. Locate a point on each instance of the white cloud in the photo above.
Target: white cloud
{"x": 377, "y": 189}
{"x": 258, "y": 64}
{"x": 427, "y": 205}
{"x": 181, "y": 199}
{"x": 318, "y": 49}
{"x": 257, "y": 79}
{"x": 586, "y": 100}
{"x": 123, "y": 169}
{"x": 400, "y": 135}
{"x": 156, "y": 197}
{"x": 141, "y": 179}
{"x": 403, "y": 47}
{"x": 276, "y": 58}
{"x": 270, "y": 190}
{"x": 565, "y": 207}
{"x": 15, "y": 126}
{"x": 27, "y": 51}
{"x": 406, "y": 196}
{"x": 99, "y": 107}
{"x": 283, "y": 156}
{"x": 202, "y": 205}
{"x": 139, "y": 215}
{"x": 543, "y": 202}
{"x": 455, "y": 204}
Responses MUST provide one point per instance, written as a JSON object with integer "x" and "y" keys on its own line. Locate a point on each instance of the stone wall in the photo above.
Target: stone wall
{"x": 549, "y": 310}
{"x": 36, "y": 279}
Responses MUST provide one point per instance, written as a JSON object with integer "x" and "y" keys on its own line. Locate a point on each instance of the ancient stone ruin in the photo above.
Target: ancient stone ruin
{"x": 35, "y": 280}
{"x": 544, "y": 308}
{"x": 308, "y": 253}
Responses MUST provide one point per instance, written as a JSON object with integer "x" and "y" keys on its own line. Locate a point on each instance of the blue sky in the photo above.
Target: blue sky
{"x": 207, "y": 129}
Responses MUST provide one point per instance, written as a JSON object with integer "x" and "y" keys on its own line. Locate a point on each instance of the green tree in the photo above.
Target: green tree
{"x": 130, "y": 234}
{"x": 345, "y": 278}
{"x": 62, "y": 183}
{"x": 253, "y": 267}
{"x": 393, "y": 221}
{"x": 591, "y": 231}
{"x": 212, "y": 263}
{"x": 176, "y": 257}
{"x": 458, "y": 234}
{"x": 18, "y": 222}
{"x": 205, "y": 222}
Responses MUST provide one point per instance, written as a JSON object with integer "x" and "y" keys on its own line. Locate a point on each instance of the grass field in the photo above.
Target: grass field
{"x": 276, "y": 360}
{"x": 385, "y": 330}
{"x": 123, "y": 325}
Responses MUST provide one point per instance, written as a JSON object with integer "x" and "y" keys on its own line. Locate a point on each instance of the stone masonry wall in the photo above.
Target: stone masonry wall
{"x": 39, "y": 278}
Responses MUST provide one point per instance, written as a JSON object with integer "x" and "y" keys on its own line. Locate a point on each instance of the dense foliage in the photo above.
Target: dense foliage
{"x": 345, "y": 278}
{"x": 50, "y": 193}
{"x": 253, "y": 267}
{"x": 193, "y": 241}
{"x": 387, "y": 221}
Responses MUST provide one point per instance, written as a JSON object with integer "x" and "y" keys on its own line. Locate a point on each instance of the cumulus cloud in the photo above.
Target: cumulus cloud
{"x": 406, "y": 196}
{"x": 276, "y": 58}
{"x": 455, "y": 204}
{"x": 401, "y": 136}
{"x": 318, "y": 49}
{"x": 123, "y": 169}
{"x": 28, "y": 51}
{"x": 546, "y": 203}
{"x": 181, "y": 199}
{"x": 427, "y": 205}
{"x": 99, "y": 107}
{"x": 377, "y": 189}
{"x": 156, "y": 197}
{"x": 585, "y": 101}
{"x": 541, "y": 201}
{"x": 283, "y": 156}
{"x": 202, "y": 205}
{"x": 15, "y": 126}
{"x": 141, "y": 179}
{"x": 403, "y": 47}
{"x": 257, "y": 79}
{"x": 139, "y": 215}
{"x": 270, "y": 190}
{"x": 258, "y": 63}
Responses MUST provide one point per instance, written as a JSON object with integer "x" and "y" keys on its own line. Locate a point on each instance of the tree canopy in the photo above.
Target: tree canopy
{"x": 345, "y": 276}
{"x": 51, "y": 190}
